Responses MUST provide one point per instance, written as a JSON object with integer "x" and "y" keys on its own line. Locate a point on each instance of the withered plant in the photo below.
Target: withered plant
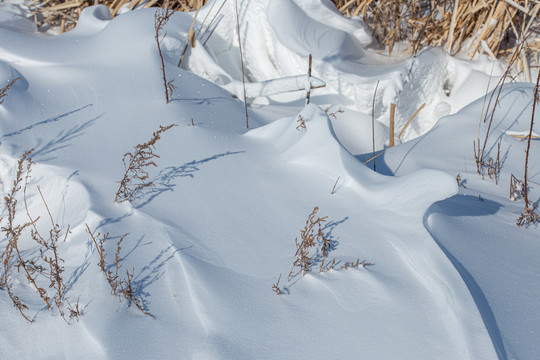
{"x": 301, "y": 121}
{"x": 485, "y": 165}
{"x": 529, "y": 215}
{"x": 310, "y": 236}
{"x": 313, "y": 247}
{"x": 11, "y": 256}
{"x": 64, "y": 14}
{"x": 516, "y": 188}
{"x": 466, "y": 26}
{"x": 161, "y": 18}
{"x": 4, "y": 90}
{"x": 460, "y": 181}
{"x": 276, "y": 288}
{"x": 334, "y": 189}
{"x": 135, "y": 176}
{"x": 121, "y": 287}
{"x": 334, "y": 114}
{"x": 48, "y": 265}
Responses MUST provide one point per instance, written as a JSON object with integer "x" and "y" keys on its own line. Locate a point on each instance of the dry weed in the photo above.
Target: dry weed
{"x": 310, "y": 236}
{"x": 301, "y": 121}
{"x": 467, "y": 26}
{"x": 313, "y": 247}
{"x": 529, "y": 216}
{"x": 121, "y": 287}
{"x": 516, "y": 188}
{"x": 334, "y": 114}
{"x": 64, "y": 14}
{"x": 135, "y": 176}
{"x": 276, "y": 288}
{"x": 4, "y": 90}
{"x": 48, "y": 265}
{"x": 11, "y": 256}
{"x": 161, "y": 18}
{"x": 460, "y": 181}
{"x": 486, "y": 165}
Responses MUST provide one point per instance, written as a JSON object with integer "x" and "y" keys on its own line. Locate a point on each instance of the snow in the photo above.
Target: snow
{"x": 451, "y": 276}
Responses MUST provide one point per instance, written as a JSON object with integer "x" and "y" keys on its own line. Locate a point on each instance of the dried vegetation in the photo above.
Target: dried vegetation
{"x": 44, "y": 272}
{"x": 135, "y": 164}
{"x": 63, "y": 14}
{"x": 312, "y": 249}
{"x": 121, "y": 287}
{"x": 461, "y": 26}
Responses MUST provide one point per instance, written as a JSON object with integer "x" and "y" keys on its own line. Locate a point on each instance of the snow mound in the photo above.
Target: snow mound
{"x": 309, "y": 141}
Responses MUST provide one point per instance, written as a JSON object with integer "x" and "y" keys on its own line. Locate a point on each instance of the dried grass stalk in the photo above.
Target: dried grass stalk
{"x": 121, "y": 287}
{"x": 135, "y": 176}
{"x": 448, "y": 23}
{"x": 64, "y": 14}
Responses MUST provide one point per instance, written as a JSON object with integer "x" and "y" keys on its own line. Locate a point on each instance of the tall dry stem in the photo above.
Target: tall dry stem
{"x": 161, "y": 18}
{"x": 529, "y": 215}
{"x": 242, "y": 62}
{"x": 4, "y": 90}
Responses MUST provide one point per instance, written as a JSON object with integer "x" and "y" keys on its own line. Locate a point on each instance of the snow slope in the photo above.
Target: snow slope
{"x": 218, "y": 228}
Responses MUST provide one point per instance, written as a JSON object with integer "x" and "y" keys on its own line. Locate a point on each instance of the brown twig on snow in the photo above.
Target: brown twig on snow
{"x": 4, "y": 90}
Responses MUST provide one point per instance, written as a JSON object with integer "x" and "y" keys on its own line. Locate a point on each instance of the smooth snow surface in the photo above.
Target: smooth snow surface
{"x": 451, "y": 276}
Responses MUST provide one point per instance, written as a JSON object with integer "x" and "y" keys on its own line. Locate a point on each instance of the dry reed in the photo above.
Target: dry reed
{"x": 64, "y": 14}
{"x": 529, "y": 215}
{"x": 464, "y": 26}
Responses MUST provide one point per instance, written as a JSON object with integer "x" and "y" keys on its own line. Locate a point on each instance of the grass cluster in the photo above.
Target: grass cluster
{"x": 43, "y": 272}
{"x": 64, "y": 14}
{"x": 312, "y": 249}
{"x": 120, "y": 286}
{"x": 460, "y": 26}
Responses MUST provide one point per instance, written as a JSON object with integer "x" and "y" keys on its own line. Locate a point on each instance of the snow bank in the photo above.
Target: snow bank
{"x": 217, "y": 229}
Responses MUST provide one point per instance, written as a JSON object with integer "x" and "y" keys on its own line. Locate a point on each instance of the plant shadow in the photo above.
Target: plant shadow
{"x": 166, "y": 179}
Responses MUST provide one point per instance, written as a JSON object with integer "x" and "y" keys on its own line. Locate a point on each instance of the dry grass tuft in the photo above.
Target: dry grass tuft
{"x": 11, "y": 256}
{"x": 310, "y": 236}
{"x": 486, "y": 165}
{"x": 301, "y": 121}
{"x": 121, "y": 287}
{"x": 516, "y": 188}
{"x": 313, "y": 248}
{"x": 64, "y": 14}
{"x": 276, "y": 288}
{"x": 47, "y": 265}
{"x": 465, "y": 26}
{"x": 4, "y": 90}
{"x": 135, "y": 176}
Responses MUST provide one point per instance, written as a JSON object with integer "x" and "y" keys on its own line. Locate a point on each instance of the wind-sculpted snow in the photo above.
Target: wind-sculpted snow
{"x": 217, "y": 228}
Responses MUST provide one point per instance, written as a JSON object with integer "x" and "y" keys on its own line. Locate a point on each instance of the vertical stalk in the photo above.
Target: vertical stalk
{"x": 308, "y": 90}
{"x": 535, "y": 100}
{"x": 392, "y": 115}
{"x": 242, "y": 62}
{"x": 373, "y": 124}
